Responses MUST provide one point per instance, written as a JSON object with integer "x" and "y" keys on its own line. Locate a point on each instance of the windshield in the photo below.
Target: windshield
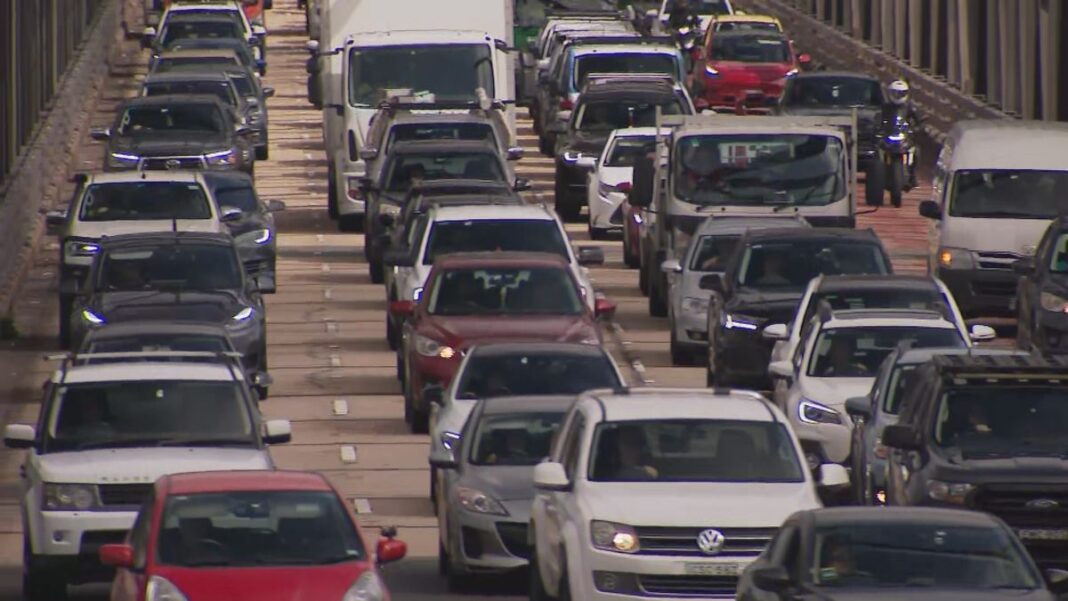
{"x": 220, "y": 90}
{"x": 136, "y": 343}
{"x": 920, "y": 299}
{"x": 712, "y": 252}
{"x": 1059, "y": 260}
{"x": 257, "y": 528}
{"x": 694, "y": 451}
{"x": 624, "y": 62}
{"x": 192, "y": 63}
{"x": 621, "y": 114}
{"x": 242, "y": 82}
{"x": 515, "y": 439}
{"x": 489, "y": 375}
{"x": 749, "y": 49}
{"x": 790, "y": 266}
{"x": 148, "y": 413}
{"x": 900, "y": 379}
{"x": 626, "y": 150}
{"x": 133, "y": 201}
{"x": 747, "y": 26}
{"x": 406, "y": 170}
{"x": 239, "y": 47}
{"x": 441, "y": 131}
{"x": 153, "y": 120}
{"x": 435, "y": 72}
{"x": 704, "y": 7}
{"x": 187, "y": 266}
{"x": 1016, "y": 194}
{"x": 1004, "y": 420}
{"x": 835, "y": 91}
{"x": 506, "y": 290}
{"x": 521, "y": 235}
{"x": 195, "y": 29}
{"x": 243, "y": 198}
{"x": 759, "y": 169}
{"x": 858, "y": 352}
{"x": 899, "y": 554}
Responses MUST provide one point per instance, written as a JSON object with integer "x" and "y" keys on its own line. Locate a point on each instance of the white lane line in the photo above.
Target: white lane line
{"x": 327, "y": 293}
{"x": 319, "y": 238}
{"x": 348, "y": 453}
{"x": 361, "y": 505}
{"x": 335, "y": 361}
{"x": 325, "y": 268}
{"x": 341, "y": 407}
{"x": 331, "y": 327}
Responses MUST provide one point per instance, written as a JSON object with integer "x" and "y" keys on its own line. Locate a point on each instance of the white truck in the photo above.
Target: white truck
{"x": 369, "y": 51}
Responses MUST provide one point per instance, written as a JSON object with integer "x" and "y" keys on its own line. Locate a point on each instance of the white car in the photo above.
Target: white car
{"x": 664, "y": 492}
{"x": 838, "y": 358}
{"x": 610, "y": 180}
{"x": 253, "y": 34}
{"x": 108, "y": 429}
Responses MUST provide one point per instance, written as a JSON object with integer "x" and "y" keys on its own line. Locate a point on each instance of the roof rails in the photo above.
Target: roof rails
{"x": 585, "y": 15}
{"x": 626, "y": 38}
{"x": 1035, "y": 365}
{"x": 228, "y": 358}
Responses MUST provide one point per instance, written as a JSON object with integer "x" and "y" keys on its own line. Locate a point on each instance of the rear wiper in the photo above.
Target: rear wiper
{"x": 205, "y": 442}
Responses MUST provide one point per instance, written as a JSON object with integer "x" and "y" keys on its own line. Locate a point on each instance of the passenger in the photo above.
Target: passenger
{"x": 840, "y": 361}
{"x": 839, "y": 564}
{"x": 774, "y": 271}
{"x": 631, "y": 448}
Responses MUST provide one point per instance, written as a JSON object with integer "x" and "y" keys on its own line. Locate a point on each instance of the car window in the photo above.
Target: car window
{"x": 135, "y": 201}
{"x": 176, "y": 30}
{"x": 606, "y": 116}
{"x": 628, "y": 149}
{"x": 407, "y": 170}
{"x": 573, "y": 445}
{"x": 900, "y": 379}
{"x": 523, "y": 374}
{"x": 138, "y": 343}
{"x": 441, "y": 131}
{"x": 858, "y": 352}
{"x": 514, "y": 438}
{"x": 712, "y": 252}
{"x": 152, "y": 120}
{"x": 749, "y": 49}
{"x": 522, "y": 235}
{"x": 1003, "y": 420}
{"x": 238, "y": 197}
{"x": 922, "y": 299}
{"x": 790, "y": 266}
{"x": 627, "y": 62}
{"x": 506, "y": 291}
{"x": 189, "y": 266}
{"x": 1009, "y": 194}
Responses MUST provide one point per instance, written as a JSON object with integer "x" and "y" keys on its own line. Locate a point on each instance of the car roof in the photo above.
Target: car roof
{"x": 537, "y": 348}
{"x": 499, "y": 259}
{"x": 199, "y": 52}
{"x": 524, "y": 212}
{"x": 814, "y": 234}
{"x": 178, "y": 176}
{"x": 742, "y": 224}
{"x": 165, "y": 99}
{"x": 924, "y": 355}
{"x": 927, "y": 516}
{"x": 527, "y": 404}
{"x": 834, "y": 283}
{"x": 1009, "y": 144}
{"x": 155, "y": 238}
{"x": 451, "y": 146}
{"x": 877, "y": 318}
{"x": 142, "y": 371}
{"x": 133, "y": 328}
{"x": 187, "y": 75}
{"x": 648, "y": 402}
{"x": 245, "y": 480}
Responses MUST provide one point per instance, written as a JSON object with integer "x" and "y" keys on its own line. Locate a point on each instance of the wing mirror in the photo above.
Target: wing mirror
{"x": 268, "y": 92}
{"x": 551, "y": 476}
{"x": 275, "y": 206}
{"x": 603, "y": 307}
{"x": 230, "y": 215}
{"x": 100, "y": 133}
{"x": 19, "y": 436}
{"x": 671, "y": 266}
{"x": 116, "y": 555}
{"x": 386, "y": 220}
{"x": 515, "y": 153}
{"x": 930, "y": 210}
{"x": 590, "y": 255}
{"x": 54, "y": 221}
{"x": 859, "y": 406}
{"x": 277, "y": 431}
{"x": 776, "y": 331}
{"x": 981, "y": 333}
{"x": 833, "y": 475}
{"x": 781, "y": 369}
{"x": 369, "y": 154}
{"x": 403, "y": 308}
{"x": 900, "y": 436}
{"x": 773, "y": 579}
{"x": 389, "y": 549}
{"x": 434, "y": 394}
{"x": 521, "y": 184}
{"x": 312, "y": 46}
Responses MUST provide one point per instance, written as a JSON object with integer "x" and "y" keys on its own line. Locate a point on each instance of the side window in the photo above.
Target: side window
{"x": 779, "y": 545}
{"x": 791, "y": 556}
{"x": 141, "y": 531}
{"x": 415, "y": 236}
{"x": 573, "y": 445}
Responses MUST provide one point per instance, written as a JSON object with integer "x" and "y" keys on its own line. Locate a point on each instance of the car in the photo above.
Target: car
{"x": 240, "y": 48}
{"x": 707, "y": 10}
{"x": 1042, "y": 293}
{"x": 184, "y": 276}
{"x": 746, "y": 69}
{"x": 513, "y": 369}
{"x": 664, "y": 492}
{"x": 608, "y": 103}
{"x": 484, "y": 505}
{"x": 176, "y": 132}
{"x": 879, "y": 408}
{"x": 838, "y": 358}
{"x": 894, "y": 553}
{"x": 199, "y": 59}
{"x": 762, "y": 284}
{"x": 132, "y": 422}
{"x": 251, "y": 533}
{"x": 610, "y": 179}
{"x": 251, "y": 223}
{"x": 475, "y": 298}
{"x": 206, "y": 20}
{"x": 986, "y": 433}
{"x": 709, "y": 250}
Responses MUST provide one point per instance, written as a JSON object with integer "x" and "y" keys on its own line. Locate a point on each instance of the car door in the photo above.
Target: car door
{"x": 901, "y": 463}
{"x": 557, "y": 506}
{"x": 128, "y": 582}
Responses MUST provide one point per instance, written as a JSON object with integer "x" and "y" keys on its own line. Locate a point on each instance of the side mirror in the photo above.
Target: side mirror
{"x": 259, "y": 30}
{"x": 275, "y": 206}
{"x": 521, "y": 184}
{"x": 390, "y": 549}
{"x": 1024, "y": 266}
{"x": 261, "y": 67}
{"x": 804, "y": 59}
{"x": 586, "y": 162}
{"x": 981, "y": 333}
{"x": 403, "y": 308}
{"x": 443, "y": 461}
{"x": 398, "y": 257}
{"x": 277, "y": 431}
{"x": 1057, "y": 580}
{"x": 551, "y": 476}
{"x": 230, "y": 214}
{"x": 930, "y": 210}
{"x": 833, "y": 475}
{"x": 900, "y": 436}
{"x": 543, "y": 79}
{"x": 603, "y": 307}
{"x": 858, "y": 406}
{"x": 242, "y": 130}
{"x": 19, "y": 436}
{"x": 386, "y": 220}
{"x": 312, "y": 46}
{"x": 100, "y": 133}
{"x": 116, "y": 556}
{"x": 781, "y": 369}
{"x": 671, "y": 266}
{"x": 776, "y": 331}
{"x": 590, "y": 255}
{"x": 268, "y": 92}
{"x": 515, "y": 153}
{"x": 54, "y": 220}
{"x": 773, "y": 579}
{"x": 262, "y": 379}
{"x": 434, "y": 394}
{"x": 712, "y": 281}
{"x": 369, "y": 154}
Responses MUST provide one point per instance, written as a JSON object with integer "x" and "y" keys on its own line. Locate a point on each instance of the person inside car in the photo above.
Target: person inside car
{"x": 774, "y": 273}
{"x": 840, "y": 361}
{"x": 632, "y": 449}
{"x": 838, "y": 565}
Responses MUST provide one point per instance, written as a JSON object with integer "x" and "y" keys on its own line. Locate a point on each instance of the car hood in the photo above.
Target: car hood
{"x": 1018, "y": 236}
{"x": 146, "y": 465}
{"x": 216, "y": 307}
{"x": 185, "y": 145}
{"x": 926, "y": 594}
{"x": 274, "y": 583}
{"x": 98, "y": 229}
{"x": 833, "y": 392}
{"x": 467, "y": 331}
{"x": 722, "y": 505}
{"x": 505, "y": 482}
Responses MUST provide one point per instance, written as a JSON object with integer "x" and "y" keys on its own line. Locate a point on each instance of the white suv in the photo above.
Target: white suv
{"x": 664, "y": 493}
{"x": 110, "y": 425}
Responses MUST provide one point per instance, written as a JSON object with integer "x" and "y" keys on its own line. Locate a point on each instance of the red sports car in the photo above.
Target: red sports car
{"x": 745, "y": 70}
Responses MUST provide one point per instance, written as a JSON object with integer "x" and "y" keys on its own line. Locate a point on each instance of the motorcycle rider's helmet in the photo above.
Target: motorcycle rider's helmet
{"x": 898, "y": 92}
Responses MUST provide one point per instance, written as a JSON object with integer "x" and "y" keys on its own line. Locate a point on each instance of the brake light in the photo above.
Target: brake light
{"x": 566, "y": 104}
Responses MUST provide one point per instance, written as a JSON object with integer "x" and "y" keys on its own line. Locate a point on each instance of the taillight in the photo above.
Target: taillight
{"x": 566, "y": 104}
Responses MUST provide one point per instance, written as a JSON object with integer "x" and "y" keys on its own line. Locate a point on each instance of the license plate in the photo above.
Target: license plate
{"x": 1042, "y": 534}
{"x": 712, "y": 569}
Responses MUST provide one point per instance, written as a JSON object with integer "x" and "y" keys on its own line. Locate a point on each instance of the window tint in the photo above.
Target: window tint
{"x": 713, "y": 252}
{"x": 525, "y": 235}
{"x": 791, "y": 266}
{"x": 858, "y": 352}
{"x": 135, "y": 201}
{"x": 1003, "y": 420}
{"x": 628, "y": 149}
{"x": 630, "y": 62}
{"x": 525, "y": 374}
{"x": 441, "y": 131}
{"x": 835, "y": 91}
{"x": 620, "y": 114}
{"x": 195, "y": 29}
{"x": 188, "y": 266}
{"x": 750, "y": 49}
{"x": 150, "y": 120}
{"x": 514, "y": 439}
{"x": 409, "y": 169}
{"x": 519, "y": 291}
{"x": 1017, "y": 194}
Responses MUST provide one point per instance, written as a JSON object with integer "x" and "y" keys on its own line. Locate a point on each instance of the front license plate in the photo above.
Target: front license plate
{"x": 712, "y": 569}
{"x": 1042, "y": 534}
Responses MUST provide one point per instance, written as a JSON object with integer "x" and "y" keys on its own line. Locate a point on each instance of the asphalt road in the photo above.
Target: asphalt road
{"x": 327, "y": 346}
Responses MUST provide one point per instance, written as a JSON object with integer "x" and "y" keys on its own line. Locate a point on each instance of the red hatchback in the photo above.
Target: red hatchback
{"x": 255, "y": 535}
{"x": 745, "y": 70}
{"x": 475, "y": 298}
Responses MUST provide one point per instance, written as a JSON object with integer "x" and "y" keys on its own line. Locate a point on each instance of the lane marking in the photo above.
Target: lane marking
{"x": 361, "y": 505}
{"x": 325, "y": 268}
{"x": 335, "y": 361}
{"x": 341, "y": 407}
{"x": 348, "y": 453}
{"x": 319, "y": 238}
{"x": 331, "y": 327}
{"x": 327, "y": 293}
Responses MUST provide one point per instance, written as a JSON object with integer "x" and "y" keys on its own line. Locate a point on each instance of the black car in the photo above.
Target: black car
{"x": 834, "y": 93}
{"x": 1042, "y": 293}
{"x": 177, "y": 132}
{"x": 174, "y": 276}
{"x": 990, "y": 433}
{"x": 240, "y": 47}
{"x": 762, "y": 284}
{"x": 251, "y": 222}
{"x": 895, "y": 554}
{"x": 417, "y": 161}
{"x": 607, "y": 104}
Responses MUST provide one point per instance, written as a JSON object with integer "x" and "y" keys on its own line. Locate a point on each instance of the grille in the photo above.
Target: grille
{"x": 689, "y": 586}
{"x": 1007, "y": 289}
{"x": 173, "y": 163}
{"x": 1010, "y": 504}
{"x": 514, "y": 537}
{"x": 738, "y": 542}
{"x": 997, "y": 260}
{"x": 124, "y": 494}
{"x": 93, "y": 539}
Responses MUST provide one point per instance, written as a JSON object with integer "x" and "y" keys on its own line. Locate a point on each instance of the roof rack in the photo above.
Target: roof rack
{"x": 228, "y": 358}
{"x": 1034, "y": 365}
{"x": 585, "y": 15}
{"x": 624, "y": 38}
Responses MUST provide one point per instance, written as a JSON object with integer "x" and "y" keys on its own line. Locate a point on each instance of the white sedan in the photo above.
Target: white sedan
{"x": 610, "y": 179}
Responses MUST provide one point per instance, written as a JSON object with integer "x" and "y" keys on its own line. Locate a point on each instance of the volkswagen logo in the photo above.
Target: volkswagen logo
{"x": 710, "y": 542}
{"x": 1043, "y": 504}
{"x": 173, "y": 164}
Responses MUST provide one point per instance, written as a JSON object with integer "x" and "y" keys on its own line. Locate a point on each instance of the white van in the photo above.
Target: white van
{"x": 998, "y": 184}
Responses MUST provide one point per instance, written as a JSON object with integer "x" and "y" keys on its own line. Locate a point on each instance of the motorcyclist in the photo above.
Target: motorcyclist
{"x": 899, "y": 104}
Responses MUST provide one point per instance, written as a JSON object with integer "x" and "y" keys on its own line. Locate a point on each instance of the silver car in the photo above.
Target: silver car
{"x": 708, "y": 252}
{"x": 484, "y": 504}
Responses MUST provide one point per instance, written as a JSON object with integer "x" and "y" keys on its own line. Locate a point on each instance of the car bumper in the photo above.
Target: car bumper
{"x": 982, "y": 292}
{"x": 68, "y": 541}
{"x": 612, "y": 575}
{"x": 489, "y": 543}
{"x": 691, "y": 329}
{"x": 834, "y": 439}
{"x": 606, "y": 212}
{"x": 725, "y": 94}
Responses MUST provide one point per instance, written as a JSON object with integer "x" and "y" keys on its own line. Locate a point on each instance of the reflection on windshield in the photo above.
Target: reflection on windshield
{"x": 409, "y": 169}
{"x": 447, "y": 237}
{"x": 149, "y": 120}
{"x": 608, "y": 116}
{"x": 927, "y": 299}
{"x": 627, "y": 150}
{"x": 438, "y": 72}
{"x": 835, "y": 91}
{"x": 759, "y": 169}
{"x": 193, "y": 267}
{"x": 1017, "y": 194}
{"x": 256, "y": 528}
{"x": 531, "y": 375}
{"x": 792, "y": 266}
{"x": 629, "y": 62}
{"x": 197, "y": 29}
{"x": 1004, "y": 421}
{"x": 747, "y": 26}
{"x": 858, "y": 352}
{"x": 516, "y": 439}
{"x": 899, "y": 554}
{"x": 131, "y": 201}
{"x": 517, "y": 291}
{"x": 749, "y": 49}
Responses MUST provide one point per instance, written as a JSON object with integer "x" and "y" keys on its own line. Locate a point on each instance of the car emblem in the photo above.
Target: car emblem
{"x": 173, "y": 164}
{"x": 1043, "y": 504}
{"x": 710, "y": 542}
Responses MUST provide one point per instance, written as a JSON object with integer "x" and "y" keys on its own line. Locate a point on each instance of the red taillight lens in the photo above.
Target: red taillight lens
{"x": 624, "y": 187}
{"x": 566, "y": 104}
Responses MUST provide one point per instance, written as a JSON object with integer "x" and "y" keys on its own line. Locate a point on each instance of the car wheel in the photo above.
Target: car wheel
{"x": 262, "y": 153}
{"x": 897, "y": 182}
{"x": 350, "y": 223}
{"x": 378, "y": 275}
{"x": 597, "y": 233}
{"x": 40, "y": 584}
{"x": 563, "y": 591}
{"x": 679, "y": 355}
{"x": 537, "y": 587}
{"x": 66, "y": 306}
{"x": 331, "y": 195}
{"x": 875, "y": 183}
{"x": 545, "y": 146}
{"x": 443, "y": 559}
{"x": 657, "y": 306}
{"x": 391, "y": 333}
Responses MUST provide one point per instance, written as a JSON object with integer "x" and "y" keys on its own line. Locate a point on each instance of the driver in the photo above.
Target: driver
{"x": 840, "y": 361}
{"x": 839, "y": 564}
{"x": 774, "y": 270}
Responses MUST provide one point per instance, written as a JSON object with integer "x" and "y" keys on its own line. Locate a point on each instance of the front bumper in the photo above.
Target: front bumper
{"x": 68, "y": 541}
{"x": 834, "y": 439}
{"x": 606, "y": 211}
{"x": 691, "y": 329}
{"x": 725, "y": 94}
{"x": 489, "y": 543}
{"x": 612, "y": 575}
{"x": 982, "y": 292}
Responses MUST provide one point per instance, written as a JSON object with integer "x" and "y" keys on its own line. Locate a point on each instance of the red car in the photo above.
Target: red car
{"x": 745, "y": 70}
{"x": 249, "y": 535}
{"x": 474, "y": 298}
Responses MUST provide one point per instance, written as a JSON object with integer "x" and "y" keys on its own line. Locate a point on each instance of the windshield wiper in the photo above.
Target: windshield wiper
{"x": 118, "y": 443}
{"x": 982, "y": 214}
{"x": 205, "y": 442}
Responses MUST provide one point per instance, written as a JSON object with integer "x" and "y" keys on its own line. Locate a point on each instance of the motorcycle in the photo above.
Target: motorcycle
{"x": 895, "y": 167}
{"x": 687, "y": 37}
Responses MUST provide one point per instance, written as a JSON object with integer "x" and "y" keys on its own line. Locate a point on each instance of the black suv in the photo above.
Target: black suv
{"x": 762, "y": 284}
{"x": 251, "y": 223}
{"x": 608, "y": 103}
{"x": 988, "y": 432}
{"x": 1042, "y": 293}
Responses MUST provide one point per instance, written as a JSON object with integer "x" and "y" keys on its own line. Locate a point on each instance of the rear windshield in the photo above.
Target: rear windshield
{"x": 133, "y": 201}
{"x": 195, "y": 29}
{"x": 522, "y": 374}
{"x": 859, "y": 352}
{"x": 220, "y": 90}
{"x": 922, "y": 299}
{"x": 625, "y": 62}
{"x": 835, "y": 91}
{"x": 137, "y": 343}
{"x": 790, "y": 266}
{"x": 749, "y": 49}
{"x": 514, "y": 439}
{"x": 524, "y": 235}
{"x": 620, "y": 114}
{"x": 628, "y": 149}
{"x": 506, "y": 291}
{"x": 441, "y": 131}
{"x": 409, "y": 169}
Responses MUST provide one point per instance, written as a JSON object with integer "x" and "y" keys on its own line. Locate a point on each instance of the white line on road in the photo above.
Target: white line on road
{"x": 325, "y": 267}
{"x": 327, "y": 293}
{"x": 331, "y": 327}
{"x": 361, "y": 505}
{"x": 348, "y": 454}
{"x": 341, "y": 407}
{"x": 335, "y": 361}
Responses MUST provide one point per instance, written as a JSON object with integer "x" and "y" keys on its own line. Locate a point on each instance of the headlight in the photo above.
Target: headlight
{"x": 254, "y": 118}
{"x": 711, "y": 71}
{"x": 70, "y": 497}
{"x": 92, "y": 318}
{"x": 121, "y": 159}
{"x": 694, "y": 305}
{"x": 949, "y": 492}
{"x": 1052, "y": 302}
{"x": 791, "y": 73}
{"x": 895, "y": 138}
{"x": 477, "y": 501}
{"x": 225, "y": 158}
{"x": 368, "y": 587}
{"x": 417, "y": 294}
{"x": 428, "y": 347}
{"x": 608, "y": 536}
{"x": 955, "y": 258}
{"x": 80, "y": 248}
{"x": 254, "y": 238}
{"x": 161, "y": 589}
{"x": 739, "y": 322}
{"x": 242, "y": 316}
{"x": 811, "y": 412}
{"x": 449, "y": 439}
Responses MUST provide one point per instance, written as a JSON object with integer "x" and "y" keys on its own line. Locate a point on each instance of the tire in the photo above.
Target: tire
{"x": 378, "y": 275}
{"x": 597, "y": 233}
{"x": 874, "y": 183}
{"x": 391, "y": 334}
{"x": 567, "y": 210}
{"x": 630, "y": 258}
{"x": 537, "y": 590}
{"x": 643, "y": 279}
{"x": 545, "y": 146}
{"x": 897, "y": 182}
{"x": 331, "y": 195}
{"x": 657, "y": 306}
{"x": 40, "y": 584}
{"x": 66, "y": 306}
{"x": 350, "y": 223}
{"x": 563, "y": 590}
{"x": 262, "y": 153}
{"x": 679, "y": 356}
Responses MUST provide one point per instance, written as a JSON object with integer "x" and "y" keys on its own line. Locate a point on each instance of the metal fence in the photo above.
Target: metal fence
{"x": 39, "y": 40}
